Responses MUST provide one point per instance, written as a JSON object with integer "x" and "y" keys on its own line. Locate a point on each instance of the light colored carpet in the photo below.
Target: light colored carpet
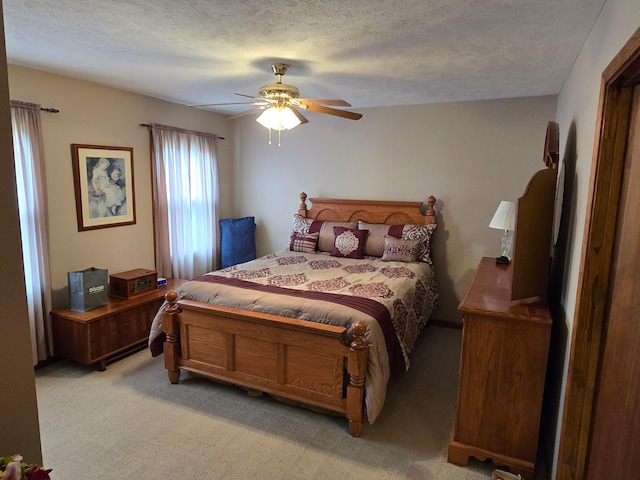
{"x": 129, "y": 422}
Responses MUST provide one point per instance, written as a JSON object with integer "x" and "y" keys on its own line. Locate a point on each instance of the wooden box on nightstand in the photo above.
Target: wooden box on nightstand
{"x": 121, "y": 326}
{"x": 132, "y": 282}
{"x": 502, "y": 373}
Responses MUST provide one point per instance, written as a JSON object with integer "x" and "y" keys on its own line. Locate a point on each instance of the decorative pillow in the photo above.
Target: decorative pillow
{"x": 301, "y": 224}
{"x": 237, "y": 240}
{"x": 300, "y": 242}
{"x": 377, "y": 232}
{"x": 422, "y": 233}
{"x": 327, "y": 235}
{"x": 400, "y": 250}
{"x": 349, "y": 242}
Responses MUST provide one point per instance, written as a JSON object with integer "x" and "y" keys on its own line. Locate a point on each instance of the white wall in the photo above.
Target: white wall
{"x": 469, "y": 155}
{"x": 577, "y": 116}
{"x": 96, "y": 115}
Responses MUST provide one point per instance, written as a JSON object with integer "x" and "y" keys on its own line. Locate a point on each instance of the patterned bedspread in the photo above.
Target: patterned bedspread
{"x": 331, "y": 290}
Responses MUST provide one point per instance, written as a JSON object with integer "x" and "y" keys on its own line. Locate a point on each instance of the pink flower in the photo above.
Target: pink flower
{"x": 12, "y": 471}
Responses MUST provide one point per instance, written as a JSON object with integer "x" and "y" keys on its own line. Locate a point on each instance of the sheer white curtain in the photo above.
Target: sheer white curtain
{"x": 185, "y": 189}
{"x": 28, "y": 153}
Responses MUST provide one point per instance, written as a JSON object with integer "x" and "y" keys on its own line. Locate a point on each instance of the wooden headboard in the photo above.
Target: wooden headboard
{"x": 370, "y": 211}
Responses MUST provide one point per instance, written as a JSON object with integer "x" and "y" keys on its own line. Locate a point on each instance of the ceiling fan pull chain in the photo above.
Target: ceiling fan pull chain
{"x": 279, "y": 144}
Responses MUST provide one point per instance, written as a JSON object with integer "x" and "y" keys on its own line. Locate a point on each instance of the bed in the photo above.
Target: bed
{"x": 324, "y": 322}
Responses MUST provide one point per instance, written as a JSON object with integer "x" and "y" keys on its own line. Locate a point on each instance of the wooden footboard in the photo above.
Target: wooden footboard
{"x": 294, "y": 359}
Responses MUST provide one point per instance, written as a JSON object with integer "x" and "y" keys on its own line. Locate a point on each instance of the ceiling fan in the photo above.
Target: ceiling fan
{"x": 282, "y": 104}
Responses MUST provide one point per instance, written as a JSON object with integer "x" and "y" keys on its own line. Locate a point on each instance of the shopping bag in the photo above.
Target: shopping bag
{"x": 88, "y": 289}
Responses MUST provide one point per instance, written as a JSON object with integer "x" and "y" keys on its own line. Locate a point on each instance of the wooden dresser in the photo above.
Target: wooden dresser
{"x": 107, "y": 332}
{"x": 503, "y": 363}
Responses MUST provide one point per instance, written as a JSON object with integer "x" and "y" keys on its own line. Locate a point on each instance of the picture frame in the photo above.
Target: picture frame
{"x": 103, "y": 182}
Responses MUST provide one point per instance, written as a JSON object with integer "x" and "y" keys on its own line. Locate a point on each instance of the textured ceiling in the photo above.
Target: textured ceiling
{"x": 368, "y": 52}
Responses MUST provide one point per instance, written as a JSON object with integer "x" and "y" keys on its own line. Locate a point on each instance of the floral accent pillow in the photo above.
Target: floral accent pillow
{"x": 349, "y": 242}
{"x": 300, "y": 242}
{"x": 301, "y": 224}
{"x": 424, "y": 234}
{"x": 400, "y": 250}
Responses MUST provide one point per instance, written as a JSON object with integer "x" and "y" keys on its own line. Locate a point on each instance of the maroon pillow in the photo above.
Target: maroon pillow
{"x": 327, "y": 237}
{"x": 349, "y": 242}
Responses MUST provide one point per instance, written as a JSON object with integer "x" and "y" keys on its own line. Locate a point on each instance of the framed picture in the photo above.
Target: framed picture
{"x": 103, "y": 178}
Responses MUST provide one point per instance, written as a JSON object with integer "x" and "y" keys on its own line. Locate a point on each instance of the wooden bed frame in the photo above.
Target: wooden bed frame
{"x": 298, "y": 360}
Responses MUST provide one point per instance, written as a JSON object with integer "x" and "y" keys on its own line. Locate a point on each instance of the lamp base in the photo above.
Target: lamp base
{"x": 503, "y": 260}
{"x": 506, "y": 243}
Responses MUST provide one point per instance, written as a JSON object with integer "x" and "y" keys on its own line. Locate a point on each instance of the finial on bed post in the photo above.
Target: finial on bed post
{"x": 357, "y": 368}
{"x": 359, "y": 329}
{"x": 171, "y": 297}
{"x": 302, "y": 209}
{"x": 430, "y": 214}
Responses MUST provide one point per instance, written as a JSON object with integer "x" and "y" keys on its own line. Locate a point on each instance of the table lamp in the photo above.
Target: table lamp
{"x": 505, "y": 219}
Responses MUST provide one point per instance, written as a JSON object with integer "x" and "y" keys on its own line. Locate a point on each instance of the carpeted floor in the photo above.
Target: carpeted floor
{"x": 129, "y": 422}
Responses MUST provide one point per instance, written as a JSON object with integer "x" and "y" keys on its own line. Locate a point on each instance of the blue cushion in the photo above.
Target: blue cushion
{"x": 238, "y": 240}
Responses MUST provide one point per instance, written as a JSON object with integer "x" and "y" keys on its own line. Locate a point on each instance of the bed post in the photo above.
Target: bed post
{"x": 171, "y": 344}
{"x": 430, "y": 214}
{"x": 357, "y": 368}
{"x": 302, "y": 209}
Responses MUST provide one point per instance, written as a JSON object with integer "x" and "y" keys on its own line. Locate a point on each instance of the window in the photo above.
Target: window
{"x": 185, "y": 187}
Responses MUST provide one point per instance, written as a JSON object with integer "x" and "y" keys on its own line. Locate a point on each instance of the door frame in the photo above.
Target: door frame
{"x": 589, "y": 326}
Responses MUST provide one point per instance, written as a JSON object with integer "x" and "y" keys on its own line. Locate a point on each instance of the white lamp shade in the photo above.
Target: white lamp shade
{"x": 278, "y": 119}
{"x": 505, "y": 216}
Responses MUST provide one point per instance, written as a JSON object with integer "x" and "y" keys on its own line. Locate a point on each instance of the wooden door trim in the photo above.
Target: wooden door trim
{"x": 610, "y": 148}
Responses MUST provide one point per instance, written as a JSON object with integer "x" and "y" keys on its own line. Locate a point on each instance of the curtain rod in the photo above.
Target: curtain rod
{"x": 151, "y": 126}
{"x": 50, "y": 110}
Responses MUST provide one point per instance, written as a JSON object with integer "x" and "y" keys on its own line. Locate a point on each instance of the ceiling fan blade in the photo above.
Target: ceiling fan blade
{"x": 299, "y": 115}
{"x": 260, "y": 99}
{"x": 228, "y": 103}
{"x": 247, "y": 112}
{"x": 318, "y": 101}
{"x": 334, "y": 111}
{"x": 248, "y": 96}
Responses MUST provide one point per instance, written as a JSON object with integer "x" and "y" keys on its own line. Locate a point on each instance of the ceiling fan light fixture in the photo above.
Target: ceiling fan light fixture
{"x": 281, "y": 103}
{"x": 275, "y": 118}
